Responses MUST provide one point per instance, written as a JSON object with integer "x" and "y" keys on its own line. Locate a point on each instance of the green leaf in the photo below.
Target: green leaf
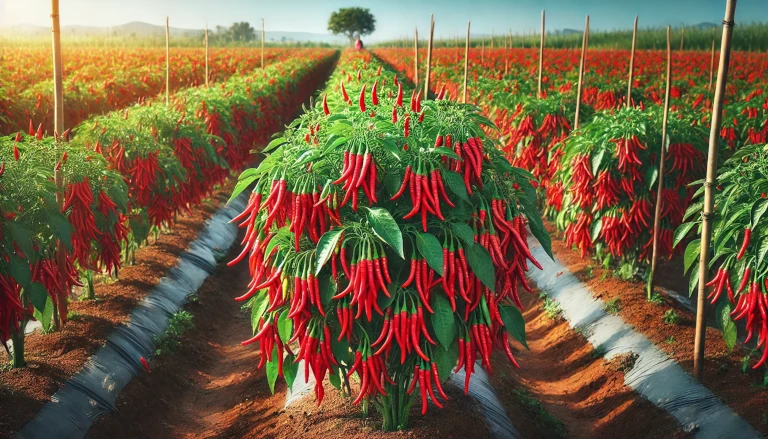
{"x": 37, "y": 295}
{"x": 514, "y": 323}
{"x": 21, "y": 236}
{"x": 693, "y": 281}
{"x": 335, "y": 379}
{"x": 275, "y": 143}
{"x": 446, "y": 360}
{"x": 340, "y": 350}
{"x": 651, "y": 174}
{"x": 284, "y": 327}
{"x": 728, "y": 328}
{"x": 391, "y": 147}
{"x": 447, "y": 152}
{"x": 482, "y": 265}
{"x": 290, "y": 370}
{"x": 272, "y": 369}
{"x": 597, "y": 227}
{"x": 464, "y": 232}
{"x": 682, "y": 232}
{"x": 259, "y": 304}
{"x": 327, "y": 290}
{"x": 691, "y": 254}
{"x": 536, "y": 225}
{"x": 456, "y": 184}
{"x": 62, "y": 229}
{"x": 597, "y": 160}
{"x": 20, "y": 272}
{"x": 430, "y": 248}
{"x": 443, "y": 321}
{"x": 45, "y": 316}
{"x": 242, "y": 184}
{"x": 386, "y": 228}
{"x": 325, "y": 248}
{"x": 758, "y": 209}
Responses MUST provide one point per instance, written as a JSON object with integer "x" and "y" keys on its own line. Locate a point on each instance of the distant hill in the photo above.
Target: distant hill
{"x": 140, "y": 29}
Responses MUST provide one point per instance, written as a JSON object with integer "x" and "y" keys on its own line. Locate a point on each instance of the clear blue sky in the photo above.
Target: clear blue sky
{"x": 395, "y": 18}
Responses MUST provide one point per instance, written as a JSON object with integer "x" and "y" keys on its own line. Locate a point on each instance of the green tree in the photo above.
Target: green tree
{"x": 352, "y": 22}
{"x": 242, "y": 31}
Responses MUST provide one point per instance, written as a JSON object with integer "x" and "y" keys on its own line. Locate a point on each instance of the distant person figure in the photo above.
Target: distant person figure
{"x": 358, "y": 44}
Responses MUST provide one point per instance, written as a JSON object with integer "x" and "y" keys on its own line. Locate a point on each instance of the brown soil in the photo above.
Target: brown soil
{"x": 742, "y": 391}
{"x": 210, "y": 388}
{"x": 54, "y": 358}
{"x": 583, "y": 395}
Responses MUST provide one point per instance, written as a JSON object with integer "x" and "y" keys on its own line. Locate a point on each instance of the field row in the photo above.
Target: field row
{"x": 101, "y": 80}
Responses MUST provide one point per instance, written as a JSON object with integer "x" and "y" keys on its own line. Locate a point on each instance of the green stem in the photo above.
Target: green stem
{"x": 17, "y": 357}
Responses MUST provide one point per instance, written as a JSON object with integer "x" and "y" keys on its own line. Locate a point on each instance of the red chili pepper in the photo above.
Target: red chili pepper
{"x": 325, "y": 105}
{"x": 145, "y": 364}
{"x": 399, "y": 94}
{"x": 374, "y": 94}
{"x": 362, "y": 99}
{"x": 16, "y": 154}
{"x": 747, "y": 234}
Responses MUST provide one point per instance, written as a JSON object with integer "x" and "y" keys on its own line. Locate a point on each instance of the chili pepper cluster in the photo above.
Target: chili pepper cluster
{"x": 123, "y": 173}
{"x": 609, "y": 176}
{"x": 739, "y": 246}
{"x": 386, "y": 239}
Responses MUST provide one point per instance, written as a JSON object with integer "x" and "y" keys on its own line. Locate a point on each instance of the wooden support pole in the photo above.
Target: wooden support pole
{"x": 466, "y": 64}
{"x": 206, "y": 55}
{"x": 262, "y": 44}
{"x": 58, "y": 87}
{"x": 541, "y": 54}
{"x": 429, "y": 54}
{"x": 682, "y": 38}
{"x": 416, "y": 56}
{"x": 584, "y": 42}
{"x": 631, "y": 64}
{"x": 660, "y": 178}
{"x": 167, "y": 64}
{"x": 712, "y": 62}
{"x": 709, "y": 184}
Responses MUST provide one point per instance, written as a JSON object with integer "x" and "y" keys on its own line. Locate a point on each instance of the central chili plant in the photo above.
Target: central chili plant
{"x": 386, "y": 238}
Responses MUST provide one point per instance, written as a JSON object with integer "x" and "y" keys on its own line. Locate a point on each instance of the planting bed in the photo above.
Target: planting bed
{"x": 54, "y": 358}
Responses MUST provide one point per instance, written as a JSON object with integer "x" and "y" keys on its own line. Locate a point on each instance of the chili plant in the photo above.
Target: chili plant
{"x": 386, "y": 238}
{"x": 609, "y": 175}
{"x": 739, "y": 245}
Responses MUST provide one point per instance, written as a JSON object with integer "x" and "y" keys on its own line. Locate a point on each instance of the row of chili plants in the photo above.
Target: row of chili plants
{"x": 100, "y": 80}
{"x": 385, "y": 236}
{"x": 599, "y": 181}
{"x": 616, "y": 160}
{"x": 123, "y": 174}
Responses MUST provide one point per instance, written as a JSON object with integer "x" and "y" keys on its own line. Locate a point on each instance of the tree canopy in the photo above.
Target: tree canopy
{"x": 352, "y": 22}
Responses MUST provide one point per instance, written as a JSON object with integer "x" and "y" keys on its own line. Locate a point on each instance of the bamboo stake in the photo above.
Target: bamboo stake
{"x": 466, "y": 64}
{"x": 167, "y": 63}
{"x": 482, "y": 51}
{"x": 541, "y": 53}
{"x": 660, "y": 179}
{"x": 682, "y": 38}
{"x": 712, "y": 62}
{"x": 416, "y": 57}
{"x": 491, "y": 39}
{"x": 58, "y": 88}
{"x": 262, "y": 44}
{"x": 631, "y": 64}
{"x": 206, "y": 55}
{"x": 429, "y": 54}
{"x": 709, "y": 195}
{"x": 584, "y": 42}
